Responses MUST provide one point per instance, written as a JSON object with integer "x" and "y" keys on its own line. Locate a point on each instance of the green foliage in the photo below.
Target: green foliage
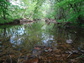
{"x": 4, "y": 6}
{"x": 2, "y": 21}
{"x": 66, "y": 10}
{"x": 72, "y": 7}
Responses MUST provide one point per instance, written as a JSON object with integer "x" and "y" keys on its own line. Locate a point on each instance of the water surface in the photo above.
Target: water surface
{"x": 22, "y": 39}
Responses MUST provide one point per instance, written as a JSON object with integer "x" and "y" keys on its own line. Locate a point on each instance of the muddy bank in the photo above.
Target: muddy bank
{"x": 18, "y": 21}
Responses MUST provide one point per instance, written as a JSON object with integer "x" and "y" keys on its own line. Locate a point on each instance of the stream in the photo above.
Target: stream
{"x": 18, "y": 41}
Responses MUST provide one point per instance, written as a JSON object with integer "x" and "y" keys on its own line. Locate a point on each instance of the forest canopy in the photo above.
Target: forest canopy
{"x": 60, "y": 10}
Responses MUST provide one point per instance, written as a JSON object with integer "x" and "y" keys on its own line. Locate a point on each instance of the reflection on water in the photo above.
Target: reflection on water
{"x": 21, "y": 39}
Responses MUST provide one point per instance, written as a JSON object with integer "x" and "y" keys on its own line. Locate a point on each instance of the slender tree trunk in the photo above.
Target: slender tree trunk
{"x": 4, "y": 31}
{"x": 4, "y": 16}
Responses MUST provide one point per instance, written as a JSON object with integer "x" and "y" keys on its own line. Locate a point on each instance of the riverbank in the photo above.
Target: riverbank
{"x": 15, "y": 21}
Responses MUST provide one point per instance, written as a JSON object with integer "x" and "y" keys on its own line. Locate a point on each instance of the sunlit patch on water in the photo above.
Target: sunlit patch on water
{"x": 48, "y": 39}
{"x": 21, "y": 31}
{"x": 69, "y": 41}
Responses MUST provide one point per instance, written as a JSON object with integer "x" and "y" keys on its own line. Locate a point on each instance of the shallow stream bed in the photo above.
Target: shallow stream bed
{"x": 53, "y": 44}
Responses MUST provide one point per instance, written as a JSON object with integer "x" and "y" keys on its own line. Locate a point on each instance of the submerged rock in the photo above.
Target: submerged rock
{"x": 69, "y": 41}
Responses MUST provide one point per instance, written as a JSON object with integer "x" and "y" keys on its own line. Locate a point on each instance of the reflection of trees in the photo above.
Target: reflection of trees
{"x": 22, "y": 34}
{"x": 73, "y": 36}
{"x": 32, "y": 36}
{"x": 19, "y": 40}
{"x": 6, "y": 48}
{"x": 78, "y": 38}
{"x": 3, "y": 32}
